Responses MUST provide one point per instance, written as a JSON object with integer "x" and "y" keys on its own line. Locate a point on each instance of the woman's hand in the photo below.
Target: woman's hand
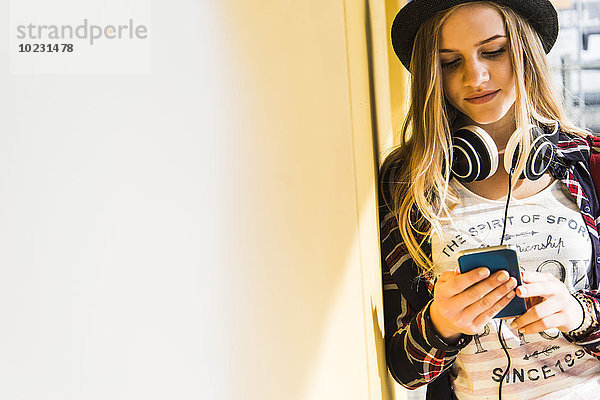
{"x": 464, "y": 303}
{"x": 553, "y": 305}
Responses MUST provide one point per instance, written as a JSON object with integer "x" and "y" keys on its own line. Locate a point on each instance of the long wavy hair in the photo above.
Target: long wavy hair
{"x": 418, "y": 170}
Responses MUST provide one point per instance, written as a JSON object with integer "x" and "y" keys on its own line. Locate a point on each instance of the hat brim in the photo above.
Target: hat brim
{"x": 541, "y": 14}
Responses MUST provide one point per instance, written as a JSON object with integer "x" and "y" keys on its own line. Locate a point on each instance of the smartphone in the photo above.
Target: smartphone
{"x": 496, "y": 258}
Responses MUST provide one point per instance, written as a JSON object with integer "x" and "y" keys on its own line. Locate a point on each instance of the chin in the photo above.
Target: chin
{"x": 489, "y": 115}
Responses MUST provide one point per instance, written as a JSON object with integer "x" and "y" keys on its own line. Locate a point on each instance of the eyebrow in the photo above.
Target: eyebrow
{"x": 478, "y": 44}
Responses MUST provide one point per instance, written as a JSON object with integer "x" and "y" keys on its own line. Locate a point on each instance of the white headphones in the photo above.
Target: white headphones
{"x": 476, "y": 155}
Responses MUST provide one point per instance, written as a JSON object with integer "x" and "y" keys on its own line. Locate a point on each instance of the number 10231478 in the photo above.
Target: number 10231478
{"x": 45, "y": 48}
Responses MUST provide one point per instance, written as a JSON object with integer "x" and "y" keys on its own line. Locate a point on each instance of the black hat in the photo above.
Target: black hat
{"x": 541, "y": 14}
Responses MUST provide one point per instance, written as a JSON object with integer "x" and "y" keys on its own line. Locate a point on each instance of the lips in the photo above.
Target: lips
{"x": 482, "y": 97}
{"x": 481, "y": 94}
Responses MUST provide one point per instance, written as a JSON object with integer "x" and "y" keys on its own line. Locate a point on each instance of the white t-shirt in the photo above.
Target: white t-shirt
{"x": 549, "y": 234}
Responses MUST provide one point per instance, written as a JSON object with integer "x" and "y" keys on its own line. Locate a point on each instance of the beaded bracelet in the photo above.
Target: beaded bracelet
{"x": 589, "y": 322}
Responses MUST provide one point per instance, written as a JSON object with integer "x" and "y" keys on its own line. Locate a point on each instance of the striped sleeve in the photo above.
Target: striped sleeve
{"x": 580, "y": 181}
{"x": 415, "y": 354}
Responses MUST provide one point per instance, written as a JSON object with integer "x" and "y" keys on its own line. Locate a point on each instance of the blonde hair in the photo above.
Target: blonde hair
{"x": 418, "y": 171}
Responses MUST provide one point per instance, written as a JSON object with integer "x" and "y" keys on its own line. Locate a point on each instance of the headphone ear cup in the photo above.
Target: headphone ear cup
{"x": 541, "y": 154}
{"x": 475, "y": 155}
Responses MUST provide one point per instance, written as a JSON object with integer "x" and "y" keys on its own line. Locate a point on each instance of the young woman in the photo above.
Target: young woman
{"x": 481, "y": 65}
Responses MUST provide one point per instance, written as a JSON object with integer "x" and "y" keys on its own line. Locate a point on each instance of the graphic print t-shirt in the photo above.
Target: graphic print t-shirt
{"x": 549, "y": 235}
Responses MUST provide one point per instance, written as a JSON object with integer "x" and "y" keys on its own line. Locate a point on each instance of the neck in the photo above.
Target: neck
{"x": 500, "y": 130}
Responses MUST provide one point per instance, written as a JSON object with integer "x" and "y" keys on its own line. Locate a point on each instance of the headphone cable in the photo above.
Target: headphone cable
{"x": 500, "y": 324}
{"x": 507, "y": 203}
{"x": 507, "y": 357}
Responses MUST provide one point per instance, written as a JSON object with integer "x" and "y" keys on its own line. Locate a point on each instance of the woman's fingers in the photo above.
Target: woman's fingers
{"x": 548, "y": 322}
{"x": 454, "y": 292}
{"x": 541, "y": 311}
{"x": 477, "y": 294}
{"x": 540, "y": 289}
{"x": 537, "y": 284}
{"x": 558, "y": 309}
{"x": 489, "y": 314}
{"x": 533, "y": 276}
{"x": 499, "y": 299}
{"x": 464, "y": 281}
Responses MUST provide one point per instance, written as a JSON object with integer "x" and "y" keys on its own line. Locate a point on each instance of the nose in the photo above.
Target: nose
{"x": 475, "y": 73}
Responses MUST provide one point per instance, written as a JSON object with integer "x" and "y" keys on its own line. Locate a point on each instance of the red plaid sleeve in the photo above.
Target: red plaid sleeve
{"x": 415, "y": 354}
{"x": 583, "y": 195}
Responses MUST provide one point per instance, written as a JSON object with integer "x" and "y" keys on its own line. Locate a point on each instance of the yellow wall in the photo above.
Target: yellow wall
{"x": 307, "y": 320}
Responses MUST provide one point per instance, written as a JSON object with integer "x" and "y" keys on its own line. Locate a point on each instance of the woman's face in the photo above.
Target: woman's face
{"x": 477, "y": 72}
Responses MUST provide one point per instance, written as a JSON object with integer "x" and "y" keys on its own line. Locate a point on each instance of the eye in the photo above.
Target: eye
{"x": 494, "y": 54}
{"x": 451, "y": 64}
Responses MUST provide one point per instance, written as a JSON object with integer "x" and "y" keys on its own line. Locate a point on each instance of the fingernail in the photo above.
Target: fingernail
{"x": 483, "y": 272}
{"x": 510, "y": 295}
{"x": 522, "y": 291}
{"x": 511, "y": 284}
{"x": 513, "y": 324}
{"x": 503, "y": 276}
